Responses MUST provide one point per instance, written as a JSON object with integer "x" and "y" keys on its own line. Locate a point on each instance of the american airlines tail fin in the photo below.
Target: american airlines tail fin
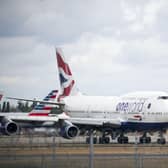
{"x": 67, "y": 83}
{"x": 1, "y": 95}
{"x": 44, "y": 109}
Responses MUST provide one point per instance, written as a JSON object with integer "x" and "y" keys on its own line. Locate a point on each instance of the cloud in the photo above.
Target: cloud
{"x": 113, "y": 47}
{"x": 27, "y": 66}
{"x": 106, "y": 62}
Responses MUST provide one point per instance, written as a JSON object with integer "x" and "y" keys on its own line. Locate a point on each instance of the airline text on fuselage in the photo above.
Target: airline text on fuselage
{"x": 130, "y": 107}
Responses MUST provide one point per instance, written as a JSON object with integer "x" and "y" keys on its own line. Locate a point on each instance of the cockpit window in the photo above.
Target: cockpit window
{"x": 149, "y": 106}
{"x": 163, "y": 97}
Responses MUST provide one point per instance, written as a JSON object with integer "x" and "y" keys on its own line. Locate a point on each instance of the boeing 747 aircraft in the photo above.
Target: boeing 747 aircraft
{"x": 141, "y": 112}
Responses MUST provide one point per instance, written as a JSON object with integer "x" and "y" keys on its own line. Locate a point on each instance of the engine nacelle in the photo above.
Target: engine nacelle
{"x": 68, "y": 130}
{"x": 8, "y": 127}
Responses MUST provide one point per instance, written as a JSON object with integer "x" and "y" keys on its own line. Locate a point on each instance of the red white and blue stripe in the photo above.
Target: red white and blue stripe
{"x": 44, "y": 109}
{"x": 1, "y": 95}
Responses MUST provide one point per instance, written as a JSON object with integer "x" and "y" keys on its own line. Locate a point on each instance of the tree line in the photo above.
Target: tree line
{"x": 24, "y": 107}
{"x": 20, "y": 107}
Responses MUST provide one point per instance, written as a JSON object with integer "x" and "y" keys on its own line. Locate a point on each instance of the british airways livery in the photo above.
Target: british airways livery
{"x": 113, "y": 116}
{"x": 143, "y": 112}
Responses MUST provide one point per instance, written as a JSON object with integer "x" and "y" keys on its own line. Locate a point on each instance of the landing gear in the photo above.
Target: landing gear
{"x": 100, "y": 140}
{"x": 94, "y": 140}
{"x": 122, "y": 139}
{"x": 161, "y": 139}
{"x": 104, "y": 140}
{"x": 144, "y": 139}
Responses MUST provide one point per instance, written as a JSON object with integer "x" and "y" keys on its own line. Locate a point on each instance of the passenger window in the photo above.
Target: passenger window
{"x": 149, "y": 106}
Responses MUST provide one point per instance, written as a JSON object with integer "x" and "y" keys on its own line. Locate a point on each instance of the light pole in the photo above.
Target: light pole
{"x": 91, "y": 150}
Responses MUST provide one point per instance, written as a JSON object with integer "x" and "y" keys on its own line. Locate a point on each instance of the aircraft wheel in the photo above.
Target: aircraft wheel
{"x": 144, "y": 140}
{"x": 122, "y": 140}
{"x": 140, "y": 140}
{"x": 87, "y": 140}
{"x": 119, "y": 139}
{"x": 161, "y": 141}
{"x": 148, "y": 139}
{"x": 125, "y": 140}
{"x": 106, "y": 140}
{"x": 100, "y": 140}
{"x": 94, "y": 140}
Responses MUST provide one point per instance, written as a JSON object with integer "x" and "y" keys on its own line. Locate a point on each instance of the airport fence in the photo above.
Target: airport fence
{"x": 39, "y": 151}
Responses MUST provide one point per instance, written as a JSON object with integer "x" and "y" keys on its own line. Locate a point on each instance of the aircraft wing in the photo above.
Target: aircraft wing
{"x": 63, "y": 116}
{"x": 36, "y": 101}
{"x": 33, "y": 119}
{"x": 96, "y": 121}
{"x": 23, "y": 117}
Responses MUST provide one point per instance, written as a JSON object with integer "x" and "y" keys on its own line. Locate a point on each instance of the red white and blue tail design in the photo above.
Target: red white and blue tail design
{"x": 44, "y": 109}
{"x": 67, "y": 82}
{"x": 1, "y": 95}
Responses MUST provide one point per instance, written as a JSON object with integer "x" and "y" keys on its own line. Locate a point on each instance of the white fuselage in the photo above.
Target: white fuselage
{"x": 136, "y": 107}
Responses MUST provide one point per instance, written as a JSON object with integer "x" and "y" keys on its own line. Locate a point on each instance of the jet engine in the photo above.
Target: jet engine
{"x": 68, "y": 130}
{"x": 8, "y": 127}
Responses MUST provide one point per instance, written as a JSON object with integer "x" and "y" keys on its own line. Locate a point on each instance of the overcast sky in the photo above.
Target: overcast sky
{"x": 112, "y": 46}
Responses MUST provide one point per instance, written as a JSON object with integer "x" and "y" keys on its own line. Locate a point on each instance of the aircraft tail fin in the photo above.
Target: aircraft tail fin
{"x": 67, "y": 83}
{"x": 44, "y": 109}
{"x": 1, "y": 95}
